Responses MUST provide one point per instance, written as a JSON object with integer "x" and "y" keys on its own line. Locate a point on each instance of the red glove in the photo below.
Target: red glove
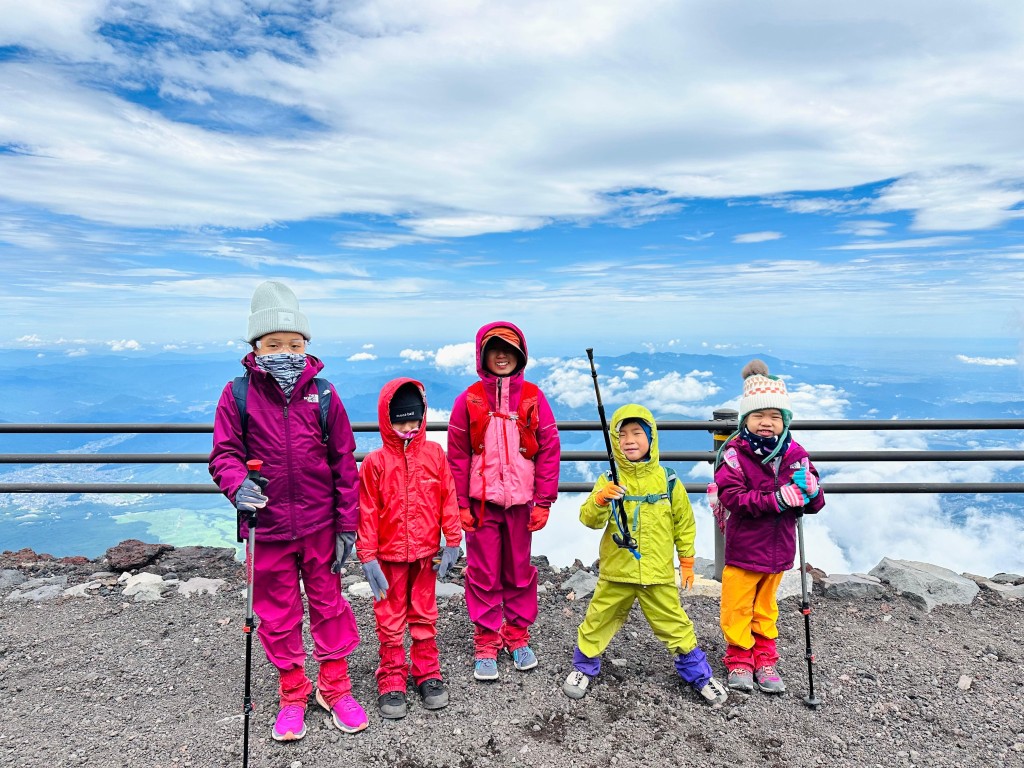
{"x": 609, "y": 492}
{"x": 686, "y": 572}
{"x": 538, "y": 518}
{"x": 469, "y": 523}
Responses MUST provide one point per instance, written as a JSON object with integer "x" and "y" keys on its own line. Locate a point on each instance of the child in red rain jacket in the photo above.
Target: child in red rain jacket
{"x": 503, "y": 448}
{"x": 406, "y": 501}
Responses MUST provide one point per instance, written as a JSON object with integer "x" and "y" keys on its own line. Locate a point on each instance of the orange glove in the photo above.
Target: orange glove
{"x": 469, "y": 523}
{"x": 609, "y": 492}
{"x": 686, "y": 572}
{"x": 538, "y": 518}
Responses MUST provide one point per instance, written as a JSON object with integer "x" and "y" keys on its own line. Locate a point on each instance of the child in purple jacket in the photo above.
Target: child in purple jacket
{"x": 765, "y": 480}
{"x": 307, "y": 512}
{"x": 504, "y": 453}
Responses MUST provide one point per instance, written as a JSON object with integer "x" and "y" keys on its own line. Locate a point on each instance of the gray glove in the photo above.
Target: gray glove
{"x": 343, "y": 549}
{"x": 249, "y": 497}
{"x": 375, "y": 576}
{"x": 449, "y": 557}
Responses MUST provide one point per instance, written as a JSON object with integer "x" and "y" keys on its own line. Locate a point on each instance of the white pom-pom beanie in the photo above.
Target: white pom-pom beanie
{"x": 761, "y": 390}
{"x": 275, "y": 308}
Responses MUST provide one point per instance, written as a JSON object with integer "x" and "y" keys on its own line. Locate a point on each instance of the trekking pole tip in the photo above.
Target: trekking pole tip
{"x": 812, "y": 701}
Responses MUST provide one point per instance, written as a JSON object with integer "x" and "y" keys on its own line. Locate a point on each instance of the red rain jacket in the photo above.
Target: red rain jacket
{"x": 406, "y": 493}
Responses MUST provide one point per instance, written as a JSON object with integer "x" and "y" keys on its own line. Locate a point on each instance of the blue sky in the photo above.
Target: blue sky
{"x": 714, "y": 174}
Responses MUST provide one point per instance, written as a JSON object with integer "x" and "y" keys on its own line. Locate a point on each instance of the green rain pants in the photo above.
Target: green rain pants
{"x": 609, "y": 609}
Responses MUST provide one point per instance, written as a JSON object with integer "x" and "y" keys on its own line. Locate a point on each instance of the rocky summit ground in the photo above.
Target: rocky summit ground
{"x": 104, "y": 681}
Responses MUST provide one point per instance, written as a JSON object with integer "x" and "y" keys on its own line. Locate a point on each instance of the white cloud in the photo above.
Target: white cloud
{"x": 672, "y": 392}
{"x": 865, "y": 228}
{"x": 457, "y": 356}
{"x": 896, "y": 245}
{"x": 367, "y": 346}
{"x": 757, "y": 237}
{"x": 124, "y": 345}
{"x": 361, "y": 356}
{"x": 31, "y": 339}
{"x": 457, "y": 149}
{"x": 416, "y": 355}
{"x": 988, "y": 361}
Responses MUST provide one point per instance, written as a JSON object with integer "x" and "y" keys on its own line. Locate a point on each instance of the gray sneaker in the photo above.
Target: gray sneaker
{"x": 768, "y": 680}
{"x": 575, "y": 685}
{"x": 741, "y": 679}
{"x": 392, "y": 705}
{"x": 485, "y": 669}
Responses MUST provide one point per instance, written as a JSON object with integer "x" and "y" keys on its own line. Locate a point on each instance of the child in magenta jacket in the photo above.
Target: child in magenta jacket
{"x": 765, "y": 480}
{"x": 504, "y": 453}
{"x": 308, "y": 510}
{"x": 406, "y": 501}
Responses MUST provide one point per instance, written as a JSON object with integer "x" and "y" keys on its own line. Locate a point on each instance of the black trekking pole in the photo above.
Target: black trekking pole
{"x": 625, "y": 540}
{"x": 254, "y": 466}
{"x": 805, "y": 608}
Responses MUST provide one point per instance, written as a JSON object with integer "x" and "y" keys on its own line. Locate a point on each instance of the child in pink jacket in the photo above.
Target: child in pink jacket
{"x": 309, "y": 508}
{"x": 504, "y": 453}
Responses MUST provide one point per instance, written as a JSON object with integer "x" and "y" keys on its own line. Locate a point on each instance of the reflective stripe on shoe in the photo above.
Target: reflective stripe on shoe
{"x": 346, "y": 714}
{"x": 575, "y": 685}
{"x": 713, "y": 692}
{"x": 524, "y": 658}
{"x": 768, "y": 680}
{"x": 290, "y": 724}
{"x": 485, "y": 669}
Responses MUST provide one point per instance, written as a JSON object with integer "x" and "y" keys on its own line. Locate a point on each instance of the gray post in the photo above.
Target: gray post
{"x": 719, "y": 436}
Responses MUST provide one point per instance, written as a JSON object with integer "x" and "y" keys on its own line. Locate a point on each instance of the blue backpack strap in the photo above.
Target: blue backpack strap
{"x": 240, "y": 391}
{"x": 323, "y": 393}
{"x": 670, "y": 480}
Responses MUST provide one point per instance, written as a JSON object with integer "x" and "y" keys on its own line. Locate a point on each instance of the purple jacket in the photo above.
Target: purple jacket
{"x": 311, "y": 485}
{"x": 509, "y": 479}
{"x": 757, "y": 536}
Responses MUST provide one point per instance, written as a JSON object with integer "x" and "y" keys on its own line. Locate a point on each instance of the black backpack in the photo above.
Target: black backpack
{"x": 240, "y": 391}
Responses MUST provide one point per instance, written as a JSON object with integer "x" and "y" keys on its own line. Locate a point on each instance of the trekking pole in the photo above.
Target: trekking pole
{"x": 254, "y": 466}
{"x": 805, "y": 608}
{"x": 623, "y": 539}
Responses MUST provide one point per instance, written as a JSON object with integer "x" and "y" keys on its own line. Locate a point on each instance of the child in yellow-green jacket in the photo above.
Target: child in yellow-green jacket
{"x": 661, "y": 521}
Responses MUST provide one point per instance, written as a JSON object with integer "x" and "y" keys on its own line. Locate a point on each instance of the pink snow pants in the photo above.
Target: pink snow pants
{"x": 276, "y": 600}
{"x": 501, "y": 584}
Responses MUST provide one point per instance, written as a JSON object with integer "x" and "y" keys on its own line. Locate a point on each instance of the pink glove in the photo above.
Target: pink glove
{"x": 806, "y": 479}
{"x": 790, "y": 496}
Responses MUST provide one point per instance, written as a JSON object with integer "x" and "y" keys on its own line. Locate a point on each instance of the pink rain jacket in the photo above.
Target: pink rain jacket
{"x": 311, "y": 485}
{"x": 510, "y": 479}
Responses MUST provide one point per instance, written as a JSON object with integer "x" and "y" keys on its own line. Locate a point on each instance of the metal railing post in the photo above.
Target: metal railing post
{"x": 719, "y": 436}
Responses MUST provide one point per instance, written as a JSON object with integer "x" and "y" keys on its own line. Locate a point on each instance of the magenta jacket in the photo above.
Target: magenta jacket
{"x": 758, "y": 537}
{"x": 311, "y": 485}
{"x": 509, "y": 479}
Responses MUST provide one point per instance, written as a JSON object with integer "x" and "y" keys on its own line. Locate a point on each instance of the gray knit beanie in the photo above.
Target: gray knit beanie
{"x": 275, "y": 308}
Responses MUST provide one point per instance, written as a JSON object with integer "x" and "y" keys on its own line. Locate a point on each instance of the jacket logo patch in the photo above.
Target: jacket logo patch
{"x": 313, "y": 398}
{"x": 731, "y": 458}
{"x": 795, "y": 465}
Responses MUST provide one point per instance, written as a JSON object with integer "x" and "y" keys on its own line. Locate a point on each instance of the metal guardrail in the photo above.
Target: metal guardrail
{"x": 720, "y": 426}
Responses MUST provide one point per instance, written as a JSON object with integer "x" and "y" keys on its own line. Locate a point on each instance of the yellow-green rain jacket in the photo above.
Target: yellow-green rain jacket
{"x": 663, "y": 527}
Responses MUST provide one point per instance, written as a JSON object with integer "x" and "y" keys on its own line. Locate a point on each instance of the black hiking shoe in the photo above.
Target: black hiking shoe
{"x": 392, "y": 705}
{"x": 434, "y": 694}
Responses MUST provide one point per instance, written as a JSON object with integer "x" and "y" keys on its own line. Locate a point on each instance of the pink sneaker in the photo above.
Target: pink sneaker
{"x": 346, "y": 714}
{"x": 290, "y": 724}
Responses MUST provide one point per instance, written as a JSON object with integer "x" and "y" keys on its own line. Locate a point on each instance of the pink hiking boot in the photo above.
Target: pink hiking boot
{"x": 346, "y": 714}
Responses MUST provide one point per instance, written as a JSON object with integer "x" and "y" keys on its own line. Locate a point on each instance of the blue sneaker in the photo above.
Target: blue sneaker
{"x": 486, "y": 669}
{"x": 524, "y": 658}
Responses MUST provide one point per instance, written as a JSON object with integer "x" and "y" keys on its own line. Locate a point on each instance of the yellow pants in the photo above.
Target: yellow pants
{"x": 749, "y": 605}
{"x": 609, "y": 609}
